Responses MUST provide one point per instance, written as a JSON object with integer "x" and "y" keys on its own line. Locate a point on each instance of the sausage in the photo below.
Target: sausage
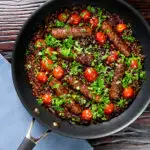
{"x": 118, "y": 42}
{"x": 84, "y": 59}
{"x": 116, "y": 86}
{"x": 74, "y": 107}
{"x": 61, "y": 33}
{"x": 83, "y": 88}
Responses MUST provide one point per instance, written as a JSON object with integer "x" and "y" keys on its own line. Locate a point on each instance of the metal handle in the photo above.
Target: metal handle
{"x": 29, "y": 141}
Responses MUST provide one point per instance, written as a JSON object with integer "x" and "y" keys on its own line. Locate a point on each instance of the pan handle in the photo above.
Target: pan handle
{"x": 29, "y": 141}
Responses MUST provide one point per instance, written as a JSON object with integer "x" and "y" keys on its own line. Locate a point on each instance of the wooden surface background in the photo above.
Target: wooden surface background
{"x": 13, "y": 14}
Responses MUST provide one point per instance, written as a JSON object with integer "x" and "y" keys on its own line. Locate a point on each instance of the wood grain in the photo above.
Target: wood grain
{"x": 13, "y": 14}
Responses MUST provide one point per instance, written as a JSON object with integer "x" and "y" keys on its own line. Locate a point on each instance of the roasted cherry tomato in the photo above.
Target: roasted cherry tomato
{"x": 90, "y": 74}
{"x": 40, "y": 43}
{"x": 49, "y": 50}
{"x": 94, "y": 21}
{"x": 113, "y": 57}
{"x": 85, "y": 14}
{"x": 109, "y": 109}
{"x": 42, "y": 77}
{"x": 128, "y": 92}
{"x": 121, "y": 27}
{"x": 134, "y": 64}
{"x": 62, "y": 17}
{"x": 87, "y": 114}
{"x": 101, "y": 37}
{"x": 75, "y": 19}
{"x": 58, "y": 72}
{"x": 46, "y": 64}
{"x": 46, "y": 98}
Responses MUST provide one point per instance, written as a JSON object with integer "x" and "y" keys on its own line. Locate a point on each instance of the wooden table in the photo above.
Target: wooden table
{"x": 13, "y": 14}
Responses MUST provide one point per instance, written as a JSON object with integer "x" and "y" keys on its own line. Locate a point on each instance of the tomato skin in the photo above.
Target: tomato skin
{"x": 46, "y": 64}
{"x": 87, "y": 114}
{"x": 58, "y": 72}
{"x": 134, "y": 64}
{"x": 94, "y": 21}
{"x": 42, "y": 77}
{"x": 62, "y": 17}
{"x": 46, "y": 98}
{"x": 128, "y": 92}
{"x": 101, "y": 37}
{"x": 90, "y": 74}
{"x": 49, "y": 50}
{"x": 40, "y": 43}
{"x": 121, "y": 27}
{"x": 112, "y": 58}
{"x": 109, "y": 109}
{"x": 85, "y": 14}
{"x": 75, "y": 19}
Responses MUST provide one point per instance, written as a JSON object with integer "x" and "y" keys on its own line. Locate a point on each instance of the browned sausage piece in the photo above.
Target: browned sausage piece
{"x": 84, "y": 59}
{"x": 74, "y": 107}
{"x": 83, "y": 88}
{"x": 118, "y": 42}
{"x": 61, "y": 33}
{"x": 116, "y": 86}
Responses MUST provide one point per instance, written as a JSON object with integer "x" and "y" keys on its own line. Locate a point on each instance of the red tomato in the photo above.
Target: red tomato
{"x": 58, "y": 72}
{"x": 62, "y": 17}
{"x": 87, "y": 114}
{"x": 49, "y": 50}
{"x": 40, "y": 43}
{"x": 109, "y": 108}
{"x": 134, "y": 64}
{"x": 121, "y": 27}
{"x": 85, "y": 14}
{"x": 100, "y": 37}
{"x": 113, "y": 57}
{"x": 42, "y": 77}
{"x": 75, "y": 19}
{"x": 46, "y": 98}
{"x": 128, "y": 92}
{"x": 46, "y": 64}
{"x": 94, "y": 21}
{"x": 90, "y": 74}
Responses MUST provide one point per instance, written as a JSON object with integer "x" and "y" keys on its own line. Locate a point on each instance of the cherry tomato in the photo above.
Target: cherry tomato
{"x": 87, "y": 114}
{"x": 100, "y": 37}
{"x": 42, "y": 77}
{"x": 75, "y": 19}
{"x": 58, "y": 72}
{"x": 128, "y": 92}
{"x": 134, "y": 64}
{"x": 121, "y": 27}
{"x": 40, "y": 43}
{"x": 46, "y": 98}
{"x": 113, "y": 57}
{"x": 62, "y": 17}
{"x": 90, "y": 74}
{"x": 85, "y": 14}
{"x": 46, "y": 64}
{"x": 49, "y": 50}
{"x": 94, "y": 21}
{"x": 109, "y": 109}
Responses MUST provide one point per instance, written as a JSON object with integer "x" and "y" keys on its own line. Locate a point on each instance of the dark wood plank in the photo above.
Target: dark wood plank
{"x": 13, "y": 14}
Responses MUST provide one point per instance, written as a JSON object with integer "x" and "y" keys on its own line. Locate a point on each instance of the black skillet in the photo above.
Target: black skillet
{"x": 23, "y": 88}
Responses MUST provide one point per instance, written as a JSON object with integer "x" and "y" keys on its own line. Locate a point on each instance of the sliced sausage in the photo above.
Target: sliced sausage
{"x": 118, "y": 42}
{"x": 83, "y": 88}
{"x": 116, "y": 86}
{"x": 61, "y": 33}
{"x": 56, "y": 85}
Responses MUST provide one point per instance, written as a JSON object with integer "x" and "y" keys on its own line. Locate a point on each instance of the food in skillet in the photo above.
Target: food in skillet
{"x": 85, "y": 65}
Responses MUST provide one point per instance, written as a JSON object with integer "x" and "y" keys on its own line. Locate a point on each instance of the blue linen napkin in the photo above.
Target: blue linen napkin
{"x": 15, "y": 120}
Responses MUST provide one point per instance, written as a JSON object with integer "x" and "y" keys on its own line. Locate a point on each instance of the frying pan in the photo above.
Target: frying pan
{"x": 23, "y": 88}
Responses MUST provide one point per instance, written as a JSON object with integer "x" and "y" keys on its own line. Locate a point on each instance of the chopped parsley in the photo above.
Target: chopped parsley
{"x": 122, "y": 103}
{"x": 91, "y": 9}
{"x": 128, "y": 37}
{"x": 59, "y": 23}
{"x": 75, "y": 68}
{"x": 40, "y": 101}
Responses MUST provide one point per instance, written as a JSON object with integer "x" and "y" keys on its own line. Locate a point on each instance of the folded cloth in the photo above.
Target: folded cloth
{"x": 15, "y": 120}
